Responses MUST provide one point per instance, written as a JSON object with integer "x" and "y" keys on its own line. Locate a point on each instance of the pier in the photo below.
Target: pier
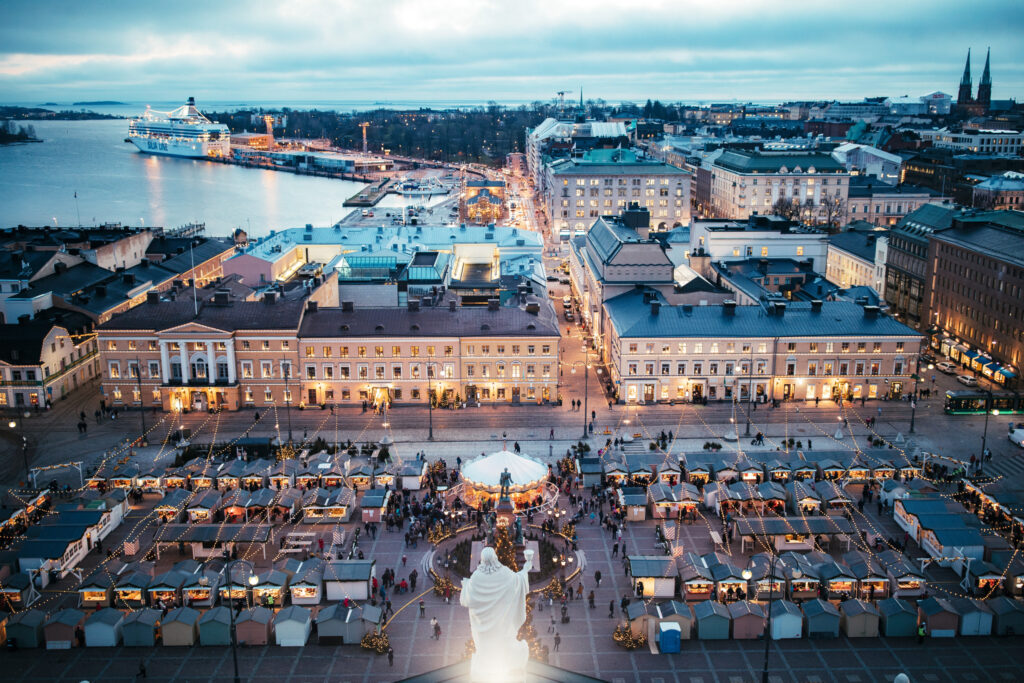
{"x": 369, "y": 196}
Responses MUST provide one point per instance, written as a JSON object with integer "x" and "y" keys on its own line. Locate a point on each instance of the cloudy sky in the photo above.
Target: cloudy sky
{"x": 516, "y": 50}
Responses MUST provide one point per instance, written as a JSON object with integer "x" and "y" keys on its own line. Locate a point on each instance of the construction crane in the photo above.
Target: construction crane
{"x": 364, "y": 125}
{"x": 269, "y": 120}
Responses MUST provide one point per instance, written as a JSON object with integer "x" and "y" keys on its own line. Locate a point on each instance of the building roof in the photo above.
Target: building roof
{"x": 1006, "y": 182}
{"x": 349, "y": 570}
{"x": 864, "y": 186}
{"x": 237, "y": 315}
{"x": 647, "y": 566}
{"x": 995, "y": 241}
{"x": 22, "y": 343}
{"x": 429, "y": 322}
{"x": 613, "y": 162}
{"x": 633, "y": 318}
{"x": 747, "y": 161}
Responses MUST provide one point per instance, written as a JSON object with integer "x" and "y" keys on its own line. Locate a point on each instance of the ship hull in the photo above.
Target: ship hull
{"x": 191, "y": 150}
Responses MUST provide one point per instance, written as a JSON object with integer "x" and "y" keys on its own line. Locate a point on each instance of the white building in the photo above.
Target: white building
{"x": 605, "y": 181}
{"x": 851, "y": 258}
{"x": 882, "y": 204}
{"x": 981, "y": 141}
{"x": 760, "y": 237}
{"x": 746, "y": 182}
{"x": 565, "y": 138}
{"x": 869, "y": 161}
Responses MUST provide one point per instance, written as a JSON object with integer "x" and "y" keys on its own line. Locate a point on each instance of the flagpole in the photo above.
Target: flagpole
{"x": 77, "y": 210}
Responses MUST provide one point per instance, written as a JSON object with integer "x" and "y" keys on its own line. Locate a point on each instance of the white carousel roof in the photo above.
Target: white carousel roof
{"x": 485, "y": 470}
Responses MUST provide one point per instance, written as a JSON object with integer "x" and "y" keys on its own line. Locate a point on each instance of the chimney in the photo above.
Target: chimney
{"x": 414, "y": 305}
{"x": 311, "y": 306}
{"x": 638, "y": 219}
{"x": 729, "y": 307}
{"x": 129, "y": 279}
{"x": 152, "y": 297}
{"x": 347, "y": 306}
{"x": 655, "y": 307}
{"x": 101, "y": 290}
{"x": 270, "y": 297}
{"x": 816, "y": 306}
{"x": 24, "y": 319}
{"x": 778, "y": 308}
{"x": 871, "y": 312}
{"x": 762, "y": 266}
{"x": 492, "y": 304}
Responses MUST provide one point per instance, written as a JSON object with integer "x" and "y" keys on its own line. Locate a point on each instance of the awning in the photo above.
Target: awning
{"x": 1006, "y": 372}
{"x": 970, "y": 354}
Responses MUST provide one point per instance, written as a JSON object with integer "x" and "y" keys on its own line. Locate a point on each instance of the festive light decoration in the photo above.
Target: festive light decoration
{"x": 554, "y": 590}
{"x": 442, "y": 585}
{"x": 438, "y": 533}
{"x": 624, "y": 637}
{"x": 569, "y": 530}
{"x": 286, "y": 452}
{"x": 505, "y": 549}
{"x": 378, "y": 642}
{"x": 469, "y": 650}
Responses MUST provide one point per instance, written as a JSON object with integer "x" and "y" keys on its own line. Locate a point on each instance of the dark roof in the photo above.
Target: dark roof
{"x": 349, "y": 570}
{"x": 18, "y": 265}
{"x": 238, "y": 315}
{"x": 860, "y": 244}
{"x": 862, "y": 186}
{"x": 646, "y": 566}
{"x": 776, "y": 526}
{"x": 74, "y": 279}
{"x": 748, "y": 161}
{"x": 999, "y": 242}
{"x": 21, "y": 343}
{"x": 428, "y": 322}
{"x": 633, "y": 318}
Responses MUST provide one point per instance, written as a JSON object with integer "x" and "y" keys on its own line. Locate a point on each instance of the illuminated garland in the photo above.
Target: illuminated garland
{"x": 469, "y": 650}
{"x": 285, "y": 452}
{"x": 624, "y": 637}
{"x": 505, "y": 549}
{"x": 554, "y": 590}
{"x": 378, "y": 642}
{"x": 443, "y": 585}
{"x": 438, "y": 533}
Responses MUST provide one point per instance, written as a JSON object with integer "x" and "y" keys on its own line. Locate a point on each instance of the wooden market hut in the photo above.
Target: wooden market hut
{"x": 307, "y": 585}
{"x": 1008, "y": 616}
{"x": 315, "y": 503}
{"x": 292, "y": 626}
{"x": 872, "y": 580}
{"x": 171, "y": 508}
{"x": 787, "y": 620}
{"x": 640, "y": 615}
{"x": 713, "y": 620}
{"x": 778, "y": 471}
{"x": 984, "y": 578}
{"x": 180, "y": 627}
{"x": 230, "y": 474}
{"x": 768, "y": 578}
{"x": 670, "y": 471}
{"x": 940, "y": 618}
{"x": 254, "y": 626}
{"x": 97, "y": 590}
{"x": 338, "y": 625}
{"x": 350, "y": 579}
{"x": 748, "y": 619}
{"x": 232, "y": 505}
{"x": 412, "y": 475}
{"x": 200, "y": 588}
{"x": 859, "y": 619}
{"x": 166, "y": 588}
{"x": 14, "y": 592}
{"x": 834, "y": 500}
{"x": 725, "y": 470}
{"x": 141, "y": 627}
{"x": 804, "y": 471}
{"x": 679, "y": 613}
{"x": 698, "y": 474}
{"x": 975, "y": 616}
{"x": 130, "y": 586}
{"x": 897, "y": 618}
{"x": 257, "y": 474}
{"x": 25, "y": 628}
{"x": 822, "y": 619}
{"x": 215, "y": 627}
{"x": 271, "y": 589}
{"x": 906, "y": 580}
{"x": 203, "y": 507}
{"x": 103, "y": 628}
{"x": 830, "y": 470}
{"x": 61, "y": 629}
{"x": 633, "y": 499}
{"x": 669, "y": 502}
{"x": 696, "y": 581}
{"x": 653, "y": 576}
{"x": 801, "y": 576}
{"x": 837, "y": 580}
{"x": 615, "y": 472}
{"x": 374, "y": 504}
{"x": 282, "y": 475}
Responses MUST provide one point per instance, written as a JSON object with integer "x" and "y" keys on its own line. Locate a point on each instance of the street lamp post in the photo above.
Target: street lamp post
{"x": 586, "y": 385}
{"x": 747, "y": 574}
{"x": 287, "y": 371}
{"x": 750, "y": 388}
{"x": 13, "y": 424}
{"x": 988, "y": 410}
{"x": 253, "y": 580}
{"x": 430, "y": 403}
{"x": 142, "y": 403}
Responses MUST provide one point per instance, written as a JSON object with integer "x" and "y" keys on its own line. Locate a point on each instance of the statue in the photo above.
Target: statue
{"x": 506, "y": 481}
{"x": 519, "y": 532}
{"x": 496, "y": 599}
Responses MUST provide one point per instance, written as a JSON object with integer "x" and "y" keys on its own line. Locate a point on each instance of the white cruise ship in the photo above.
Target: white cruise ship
{"x": 184, "y": 132}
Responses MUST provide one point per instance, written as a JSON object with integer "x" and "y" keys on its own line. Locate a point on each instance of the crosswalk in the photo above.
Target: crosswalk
{"x": 1006, "y": 466}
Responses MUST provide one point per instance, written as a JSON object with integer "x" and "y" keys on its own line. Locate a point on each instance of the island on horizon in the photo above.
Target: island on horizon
{"x": 94, "y": 103}
{"x": 37, "y": 113}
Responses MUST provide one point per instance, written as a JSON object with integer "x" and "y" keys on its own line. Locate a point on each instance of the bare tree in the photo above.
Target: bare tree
{"x": 808, "y": 211}
{"x": 984, "y": 200}
{"x": 834, "y": 208}
{"x": 786, "y": 207}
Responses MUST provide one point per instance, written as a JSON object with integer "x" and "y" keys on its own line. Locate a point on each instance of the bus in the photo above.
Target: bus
{"x": 976, "y": 402}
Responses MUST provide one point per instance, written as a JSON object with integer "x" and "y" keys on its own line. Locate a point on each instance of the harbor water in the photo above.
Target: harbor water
{"x": 114, "y": 182}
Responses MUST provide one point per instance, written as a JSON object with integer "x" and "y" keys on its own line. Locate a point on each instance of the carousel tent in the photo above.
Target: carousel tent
{"x": 485, "y": 471}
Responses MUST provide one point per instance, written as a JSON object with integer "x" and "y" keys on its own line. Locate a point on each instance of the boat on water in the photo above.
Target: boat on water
{"x": 184, "y": 132}
{"x": 428, "y": 187}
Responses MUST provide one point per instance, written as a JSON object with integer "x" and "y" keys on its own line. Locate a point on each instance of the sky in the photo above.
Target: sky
{"x": 519, "y": 50}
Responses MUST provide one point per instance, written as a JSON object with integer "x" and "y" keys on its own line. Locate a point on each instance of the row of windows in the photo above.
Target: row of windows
{"x": 815, "y": 367}
{"x": 358, "y": 351}
{"x": 621, "y": 181}
{"x": 762, "y": 347}
{"x": 397, "y": 371}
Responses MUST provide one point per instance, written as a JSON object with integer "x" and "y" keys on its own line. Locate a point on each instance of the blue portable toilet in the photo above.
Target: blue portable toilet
{"x": 669, "y": 637}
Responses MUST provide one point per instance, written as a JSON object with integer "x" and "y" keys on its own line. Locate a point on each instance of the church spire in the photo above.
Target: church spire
{"x": 964, "y": 94}
{"x": 985, "y": 88}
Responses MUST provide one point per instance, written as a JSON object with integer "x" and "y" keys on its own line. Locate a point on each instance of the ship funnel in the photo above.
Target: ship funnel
{"x": 192, "y": 101}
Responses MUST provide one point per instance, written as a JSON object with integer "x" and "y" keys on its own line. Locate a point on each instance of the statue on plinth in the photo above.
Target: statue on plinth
{"x": 496, "y": 598}
{"x": 505, "y": 481}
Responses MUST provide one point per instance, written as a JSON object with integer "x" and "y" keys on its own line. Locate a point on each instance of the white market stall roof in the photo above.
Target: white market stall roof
{"x": 486, "y": 470}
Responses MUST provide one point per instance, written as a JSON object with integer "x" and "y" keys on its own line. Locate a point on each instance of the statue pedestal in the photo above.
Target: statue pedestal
{"x": 505, "y": 513}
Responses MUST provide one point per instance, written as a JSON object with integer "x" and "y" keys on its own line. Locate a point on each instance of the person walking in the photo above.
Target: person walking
{"x": 590, "y": 600}
{"x": 615, "y": 550}
{"x": 433, "y": 624}
{"x": 437, "y": 630}
{"x": 391, "y": 656}
{"x": 423, "y": 609}
{"x": 597, "y": 578}
{"x": 624, "y": 603}
{"x": 920, "y": 633}
{"x": 558, "y": 641}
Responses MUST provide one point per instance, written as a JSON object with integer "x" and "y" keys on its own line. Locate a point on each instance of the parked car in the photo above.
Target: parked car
{"x": 564, "y": 280}
{"x": 1017, "y": 435}
{"x": 552, "y": 278}
{"x": 967, "y": 380}
{"x": 927, "y": 358}
{"x": 569, "y": 316}
{"x": 566, "y": 300}
{"x": 946, "y": 367}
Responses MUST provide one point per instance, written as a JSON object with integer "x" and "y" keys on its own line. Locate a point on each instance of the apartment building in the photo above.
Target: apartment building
{"x": 302, "y": 349}
{"x": 605, "y": 181}
{"x": 851, "y": 257}
{"x": 745, "y": 182}
{"x": 802, "y": 351}
{"x": 763, "y": 236}
{"x": 1005, "y": 191}
{"x": 884, "y": 205}
{"x": 554, "y": 139}
{"x": 980, "y": 141}
{"x": 45, "y": 358}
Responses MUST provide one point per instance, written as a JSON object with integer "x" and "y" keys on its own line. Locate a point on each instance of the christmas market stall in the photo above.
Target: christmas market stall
{"x": 180, "y": 628}
{"x": 633, "y": 499}
{"x": 97, "y": 590}
{"x": 60, "y": 629}
{"x": 653, "y": 576}
{"x": 859, "y": 619}
{"x": 200, "y": 587}
{"x": 696, "y": 580}
{"x": 292, "y": 626}
{"x": 103, "y": 628}
{"x": 374, "y": 505}
{"x": 254, "y": 626}
{"x": 747, "y": 619}
{"x": 906, "y": 579}
{"x": 1008, "y": 616}
{"x": 25, "y": 628}
{"x": 412, "y": 475}
{"x": 669, "y": 502}
{"x": 350, "y": 579}
{"x": 141, "y": 627}
{"x": 822, "y": 619}
{"x": 270, "y": 589}
{"x": 307, "y": 585}
{"x": 203, "y": 506}
{"x": 713, "y": 620}
{"x": 15, "y": 591}
{"x": 678, "y": 613}
{"x": 787, "y": 620}
{"x": 171, "y": 508}
{"x": 215, "y": 627}
{"x": 640, "y": 615}
{"x": 939, "y": 617}
{"x": 975, "y": 616}
{"x": 897, "y": 618}
{"x": 872, "y": 580}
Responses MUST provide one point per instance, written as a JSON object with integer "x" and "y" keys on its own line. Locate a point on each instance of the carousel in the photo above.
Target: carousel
{"x": 526, "y": 481}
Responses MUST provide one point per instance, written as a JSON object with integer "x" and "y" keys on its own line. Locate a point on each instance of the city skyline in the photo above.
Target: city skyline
{"x": 330, "y": 51}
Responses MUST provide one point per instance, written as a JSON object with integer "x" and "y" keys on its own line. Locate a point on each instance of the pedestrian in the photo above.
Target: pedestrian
{"x": 597, "y": 578}
{"x": 590, "y": 600}
{"x": 404, "y": 559}
{"x": 809, "y": 446}
{"x": 551, "y": 626}
{"x": 391, "y": 656}
{"x": 423, "y": 609}
{"x": 611, "y": 609}
{"x": 437, "y": 631}
{"x": 558, "y": 641}
{"x": 615, "y": 550}
{"x": 142, "y": 669}
{"x": 551, "y": 435}
{"x": 920, "y": 633}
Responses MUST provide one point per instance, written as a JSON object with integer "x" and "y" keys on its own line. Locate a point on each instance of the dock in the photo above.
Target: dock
{"x": 369, "y": 196}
